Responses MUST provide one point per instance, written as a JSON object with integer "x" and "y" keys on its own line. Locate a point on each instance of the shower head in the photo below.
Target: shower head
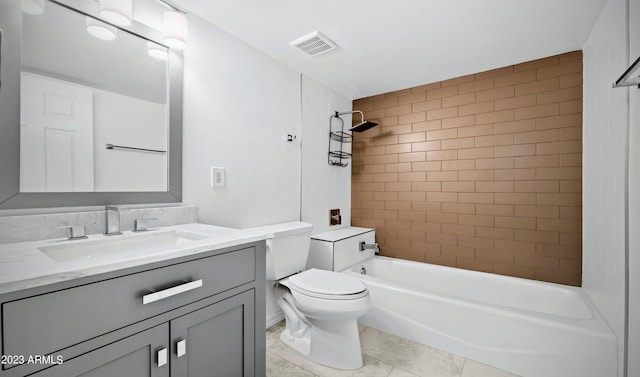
{"x": 363, "y": 125}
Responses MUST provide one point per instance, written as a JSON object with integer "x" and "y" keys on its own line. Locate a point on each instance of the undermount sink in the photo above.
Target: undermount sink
{"x": 104, "y": 247}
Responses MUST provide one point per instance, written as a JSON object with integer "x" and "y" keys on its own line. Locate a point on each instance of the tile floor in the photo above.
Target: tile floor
{"x": 385, "y": 355}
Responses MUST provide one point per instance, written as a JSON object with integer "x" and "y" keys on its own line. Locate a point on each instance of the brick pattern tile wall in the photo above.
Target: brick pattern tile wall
{"x": 480, "y": 172}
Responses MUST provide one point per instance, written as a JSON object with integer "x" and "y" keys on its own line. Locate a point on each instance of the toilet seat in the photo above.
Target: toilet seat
{"x": 328, "y": 285}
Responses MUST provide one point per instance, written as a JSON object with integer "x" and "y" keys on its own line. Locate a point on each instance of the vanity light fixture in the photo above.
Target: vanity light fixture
{"x": 156, "y": 51}
{"x": 100, "y": 29}
{"x": 118, "y": 12}
{"x": 175, "y": 29}
{"x": 34, "y": 7}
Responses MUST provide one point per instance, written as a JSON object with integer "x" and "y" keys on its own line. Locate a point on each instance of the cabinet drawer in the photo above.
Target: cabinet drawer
{"x": 41, "y": 325}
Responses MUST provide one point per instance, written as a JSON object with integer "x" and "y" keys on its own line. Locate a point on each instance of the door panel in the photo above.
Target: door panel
{"x": 56, "y": 136}
{"x": 135, "y": 356}
{"x": 219, "y": 340}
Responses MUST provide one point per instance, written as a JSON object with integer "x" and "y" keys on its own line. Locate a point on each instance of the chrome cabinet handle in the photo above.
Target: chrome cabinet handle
{"x": 162, "y": 357}
{"x": 160, "y": 295}
{"x": 181, "y": 347}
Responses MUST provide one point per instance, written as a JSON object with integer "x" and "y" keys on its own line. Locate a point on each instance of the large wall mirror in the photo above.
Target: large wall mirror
{"x": 90, "y": 113}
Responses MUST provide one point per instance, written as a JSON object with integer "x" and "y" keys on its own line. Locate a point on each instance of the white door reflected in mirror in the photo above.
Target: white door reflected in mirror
{"x": 56, "y": 136}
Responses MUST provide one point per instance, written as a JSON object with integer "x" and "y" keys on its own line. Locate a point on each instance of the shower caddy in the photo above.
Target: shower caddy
{"x": 336, "y": 151}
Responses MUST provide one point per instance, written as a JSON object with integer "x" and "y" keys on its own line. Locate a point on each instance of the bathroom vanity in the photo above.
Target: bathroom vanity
{"x": 193, "y": 307}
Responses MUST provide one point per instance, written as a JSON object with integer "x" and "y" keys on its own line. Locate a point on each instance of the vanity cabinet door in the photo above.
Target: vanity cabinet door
{"x": 136, "y": 356}
{"x": 216, "y": 341}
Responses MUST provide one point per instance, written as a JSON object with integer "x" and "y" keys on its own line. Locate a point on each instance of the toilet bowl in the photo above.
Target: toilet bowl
{"x": 321, "y": 307}
{"x": 322, "y": 321}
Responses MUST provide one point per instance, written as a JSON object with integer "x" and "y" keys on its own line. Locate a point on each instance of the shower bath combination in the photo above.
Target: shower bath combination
{"x": 336, "y": 156}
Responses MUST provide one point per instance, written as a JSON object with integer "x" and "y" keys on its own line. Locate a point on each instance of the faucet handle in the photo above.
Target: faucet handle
{"x": 140, "y": 225}
{"x": 76, "y": 232}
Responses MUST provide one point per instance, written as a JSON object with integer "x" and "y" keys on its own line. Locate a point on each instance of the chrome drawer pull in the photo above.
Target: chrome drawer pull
{"x": 181, "y": 347}
{"x": 156, "y": 296}
{"x": 162, "y": 357}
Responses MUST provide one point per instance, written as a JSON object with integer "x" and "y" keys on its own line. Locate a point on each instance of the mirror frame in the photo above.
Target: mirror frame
{"x": 10, "y": 67}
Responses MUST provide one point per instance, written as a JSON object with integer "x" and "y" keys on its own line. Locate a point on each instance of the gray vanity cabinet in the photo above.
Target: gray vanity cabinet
{"x": 132, "y": 323}
{"x": 215, "y": 341}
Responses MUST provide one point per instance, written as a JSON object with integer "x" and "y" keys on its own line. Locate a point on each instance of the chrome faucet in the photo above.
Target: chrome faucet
{"x": 113, "y": 219}
{"x": 374, "y": 246}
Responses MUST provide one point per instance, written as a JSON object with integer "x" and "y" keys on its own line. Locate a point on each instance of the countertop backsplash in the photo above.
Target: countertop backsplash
{"x": 24, "y": 228}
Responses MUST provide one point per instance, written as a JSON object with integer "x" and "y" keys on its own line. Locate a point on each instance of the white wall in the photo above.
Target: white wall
{"x": 239, "y": 106}
{"x": 634, "y": 200}
{"x": 605, "y": 134}
{"x": 324, "y": 187}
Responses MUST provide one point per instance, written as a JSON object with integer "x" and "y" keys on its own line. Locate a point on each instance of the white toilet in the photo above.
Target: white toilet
{"x": 321, "y": 307}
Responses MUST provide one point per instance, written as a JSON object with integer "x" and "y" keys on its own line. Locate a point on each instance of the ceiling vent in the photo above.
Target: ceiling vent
{"x": 314, "y": 43}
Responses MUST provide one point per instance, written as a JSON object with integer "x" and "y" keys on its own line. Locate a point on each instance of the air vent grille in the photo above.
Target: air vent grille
{"x": 314, "y": 43}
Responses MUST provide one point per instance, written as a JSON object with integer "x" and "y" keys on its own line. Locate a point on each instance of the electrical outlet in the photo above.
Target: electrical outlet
{"x": 217, "y": 177}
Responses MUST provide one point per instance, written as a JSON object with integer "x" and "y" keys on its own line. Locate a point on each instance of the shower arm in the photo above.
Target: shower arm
{"x": 352, "y": 112}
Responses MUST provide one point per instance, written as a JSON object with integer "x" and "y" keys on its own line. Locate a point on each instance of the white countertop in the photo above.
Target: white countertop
{"x": 23, "y": 265}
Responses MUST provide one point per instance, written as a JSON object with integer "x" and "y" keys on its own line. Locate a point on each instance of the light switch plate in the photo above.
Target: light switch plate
{"x": 217, "y": 177}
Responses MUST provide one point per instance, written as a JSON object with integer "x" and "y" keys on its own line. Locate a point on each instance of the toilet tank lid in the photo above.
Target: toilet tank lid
{"x": 284, "y": 229}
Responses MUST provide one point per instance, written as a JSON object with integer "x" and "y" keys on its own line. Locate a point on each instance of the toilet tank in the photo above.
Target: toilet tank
{"x": 339, "y": 249}
{"x": 287, "y": 248}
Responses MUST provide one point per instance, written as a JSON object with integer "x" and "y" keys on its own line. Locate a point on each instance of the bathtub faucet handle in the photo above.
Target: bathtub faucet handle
{"x": 374, "y": 246}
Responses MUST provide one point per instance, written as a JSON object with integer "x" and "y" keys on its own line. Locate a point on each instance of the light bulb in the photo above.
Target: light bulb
{"x": 156, "y": 51}
{"x": 175, "y": 29}
{"x": 118, "y": 12}
{"x": 100, "y": 30}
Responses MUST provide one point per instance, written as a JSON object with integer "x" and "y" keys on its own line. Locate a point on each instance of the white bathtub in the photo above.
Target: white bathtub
{"x": 530, "y": 328}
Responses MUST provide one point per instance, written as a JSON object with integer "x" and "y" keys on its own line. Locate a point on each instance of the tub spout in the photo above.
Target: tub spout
{"x": 364, "y": 246}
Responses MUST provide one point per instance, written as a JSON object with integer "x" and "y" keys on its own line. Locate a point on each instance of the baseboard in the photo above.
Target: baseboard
{"x": 274, "y": 318}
